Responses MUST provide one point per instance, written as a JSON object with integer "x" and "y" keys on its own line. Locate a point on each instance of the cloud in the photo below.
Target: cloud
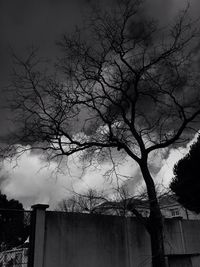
{"x": 166, "y": 10}
{"x": 161, "y": 164}
{"x": 96, "y": 178}
{"x": 31, "y": 180}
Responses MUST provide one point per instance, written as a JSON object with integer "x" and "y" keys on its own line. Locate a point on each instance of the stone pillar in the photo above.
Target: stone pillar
{"x": 38, "y": 235}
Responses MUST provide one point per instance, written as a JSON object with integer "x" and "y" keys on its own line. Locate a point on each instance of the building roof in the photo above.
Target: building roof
{"x": 165, "y": 200}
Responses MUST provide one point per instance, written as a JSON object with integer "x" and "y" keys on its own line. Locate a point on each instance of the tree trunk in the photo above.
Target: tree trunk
{"x": 155, "y": 224}
{"x": 157, "y": 239}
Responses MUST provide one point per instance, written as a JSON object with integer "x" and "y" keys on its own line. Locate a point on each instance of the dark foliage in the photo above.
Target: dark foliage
{"x": 186, "y": 182}
{"x": 12, "y": 228}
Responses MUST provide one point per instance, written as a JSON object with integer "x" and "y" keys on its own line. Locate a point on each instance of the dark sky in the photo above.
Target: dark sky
{"x": 38, "y": 23}
{"x": 41, "y": 23}
{"x": 26, "y": 22}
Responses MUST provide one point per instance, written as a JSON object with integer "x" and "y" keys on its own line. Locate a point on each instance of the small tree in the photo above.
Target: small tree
{"x": 186, "y": 181}
{"x": 69, "y": 205}
{"x": 125, "y": 88}
{"x": 86, "y": 202}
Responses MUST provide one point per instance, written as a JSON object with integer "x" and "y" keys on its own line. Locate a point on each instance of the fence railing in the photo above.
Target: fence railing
{"x": 14, "y": 258}
{"x": 15, "y": 227}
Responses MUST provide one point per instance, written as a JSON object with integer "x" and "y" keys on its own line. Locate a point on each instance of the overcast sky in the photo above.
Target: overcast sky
{"x": 41, "y": 23}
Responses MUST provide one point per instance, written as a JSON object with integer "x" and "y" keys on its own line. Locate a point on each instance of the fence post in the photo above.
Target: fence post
{"x": 37, "y": 235}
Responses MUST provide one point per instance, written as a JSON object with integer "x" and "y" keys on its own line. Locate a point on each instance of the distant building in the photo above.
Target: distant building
{"x": 169, "y": 206}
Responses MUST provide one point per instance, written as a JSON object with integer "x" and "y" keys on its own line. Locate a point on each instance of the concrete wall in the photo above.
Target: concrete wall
{"x": 182, "y": 236}
{"x": 82, "y": 240}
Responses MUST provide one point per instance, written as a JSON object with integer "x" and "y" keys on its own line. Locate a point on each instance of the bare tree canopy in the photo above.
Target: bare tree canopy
{"x": 121, "y": 87}
{"x": 122, "y": 84}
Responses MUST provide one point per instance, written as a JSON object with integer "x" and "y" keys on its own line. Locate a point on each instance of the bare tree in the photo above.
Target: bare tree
{"x": 70, "y": 204}
{"x": 124, "y": 87}
{"x": 87, "y": 202}
{"x": 120, "y": 202}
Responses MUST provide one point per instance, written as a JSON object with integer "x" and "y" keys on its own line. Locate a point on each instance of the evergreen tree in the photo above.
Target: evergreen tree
{"x": 186, "y": 182}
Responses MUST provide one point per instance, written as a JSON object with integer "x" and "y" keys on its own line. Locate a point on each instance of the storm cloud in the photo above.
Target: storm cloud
{"x": 41, "y": 24}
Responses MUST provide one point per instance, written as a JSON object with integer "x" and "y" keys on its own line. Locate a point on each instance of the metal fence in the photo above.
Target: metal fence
{"x": 15, "y": 227}
{"x": 14, "y": 258}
